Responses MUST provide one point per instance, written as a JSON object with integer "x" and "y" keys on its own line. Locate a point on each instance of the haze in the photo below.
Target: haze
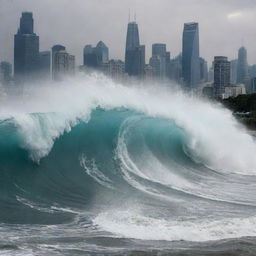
{"x": 224, "y": 24}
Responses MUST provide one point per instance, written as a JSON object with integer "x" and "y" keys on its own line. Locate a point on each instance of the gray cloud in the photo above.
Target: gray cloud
{"x": 75, "y": 23}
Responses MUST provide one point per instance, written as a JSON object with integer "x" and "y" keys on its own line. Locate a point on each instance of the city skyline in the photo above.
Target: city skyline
{"x": 89, "y": 29}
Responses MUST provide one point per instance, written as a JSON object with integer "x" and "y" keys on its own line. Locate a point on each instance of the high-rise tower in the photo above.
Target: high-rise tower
{"x": 26, "y": 50}
{"x": 94, "y": 57}
{"x": 132, "y": 38}
{"x": 242, "y": 66}
{"x": 102, "y": 52}
{"x": 190, "y": 55}
{"x": 134, "y": 52}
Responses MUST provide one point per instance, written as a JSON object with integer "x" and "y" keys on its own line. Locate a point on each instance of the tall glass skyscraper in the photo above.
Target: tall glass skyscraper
{"x": 132, "y": 38}
{"x": 102, "y": 52}
{"x": 190, "y": 55}
{"x": 94, "y": 57}
{"x": 134, "y": 52}
{"x": 26, "y": 50}
{"x": 242, "y": 66}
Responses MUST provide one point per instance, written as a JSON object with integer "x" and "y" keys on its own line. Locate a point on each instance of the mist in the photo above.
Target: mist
{"x": 63, "y": 105}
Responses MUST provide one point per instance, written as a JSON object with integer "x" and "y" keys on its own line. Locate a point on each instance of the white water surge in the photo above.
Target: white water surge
{"x": 216, "y": 139}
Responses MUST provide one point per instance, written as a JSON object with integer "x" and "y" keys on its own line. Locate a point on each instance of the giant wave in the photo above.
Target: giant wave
{"x": 94, "y": 158}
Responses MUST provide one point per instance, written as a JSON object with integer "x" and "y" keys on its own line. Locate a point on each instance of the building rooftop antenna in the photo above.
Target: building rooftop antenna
{"x": 129, "y": 15}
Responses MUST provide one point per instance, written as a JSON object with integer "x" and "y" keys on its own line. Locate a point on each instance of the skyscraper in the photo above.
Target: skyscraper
{"x": 90, "y": 57}
{"x": 242, "y": 66}
{"x": 221, "y": 75}
{"x": 26, "y": 50}
{"x": 94, "y": 57}
{"x": 134, "y": 52}
{"x": 132, "y": 38}
{"x": 102, "y": 53}
{"x": 190, "y": 55}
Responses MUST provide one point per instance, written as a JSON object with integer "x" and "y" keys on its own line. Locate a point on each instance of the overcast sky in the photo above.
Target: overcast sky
{"x": 224, "y": 24}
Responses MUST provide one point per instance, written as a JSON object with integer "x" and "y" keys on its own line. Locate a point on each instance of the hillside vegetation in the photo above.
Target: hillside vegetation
{"x": 244, "y": 108}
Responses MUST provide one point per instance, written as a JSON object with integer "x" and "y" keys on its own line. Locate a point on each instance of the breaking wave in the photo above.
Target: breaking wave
{"x": 132, "y": 161}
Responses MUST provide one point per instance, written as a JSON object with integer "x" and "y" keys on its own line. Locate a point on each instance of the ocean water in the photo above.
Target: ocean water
{"x": 91, "y": 167}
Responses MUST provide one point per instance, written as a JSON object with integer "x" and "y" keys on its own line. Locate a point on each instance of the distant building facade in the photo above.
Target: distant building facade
{"x": 233, "y": 71}
{"x": 234, "y": 90}
{"x": 45, "y": 65}
{"x": 62, "y": 63}
{"x": 149, "y": 72}
{"x": 5, "y": 72}
{"x": 174, "y": 71}
{"x": 203, "y": 71}
{"x": 159, "y": 60}
{"x": 253, "y": 85}
{"x": 114, "y": 69}
{"x": 221, "y": 75}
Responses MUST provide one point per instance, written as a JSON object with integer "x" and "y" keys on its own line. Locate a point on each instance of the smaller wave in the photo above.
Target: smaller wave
{"x": 92, "y": 170}
{"x": 129, "y": 224}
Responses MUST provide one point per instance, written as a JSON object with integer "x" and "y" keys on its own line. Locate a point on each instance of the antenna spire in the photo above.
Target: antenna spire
{"x": 242, "y": 41}
{"x": 129, "y": 15}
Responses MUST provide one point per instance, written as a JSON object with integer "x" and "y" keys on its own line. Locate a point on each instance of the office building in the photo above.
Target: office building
{"x": 102, "y": 53}
{"x": 114, "y": 69}
{"x": 174, "y": 72}
{"x": 242, "y": 66}
{"x": 221, "y": 75}
{"x": 26, "y": 50}
{"x": 190, "y": 56}
{"x": 5, "y": 72}
{"x": 94, "y": 57}
{"x": 45, "y": 65}
{"x": 134, "y": 52}
{"x": 203, "y": 71}
{"x": 63, "y": 63}
{"x": 253, "y": 85}
{"x": 233, "y": 71}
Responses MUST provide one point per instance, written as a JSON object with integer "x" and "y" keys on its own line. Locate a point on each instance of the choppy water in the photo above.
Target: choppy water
{"x": 90, "y": 167}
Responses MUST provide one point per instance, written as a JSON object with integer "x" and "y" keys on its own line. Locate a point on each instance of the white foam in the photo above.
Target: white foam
{"x": 214, "y": 137}
{"x": 35, "y": 206}
{"x": 129, "y": 224}
{"x": 92, "y": 170}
